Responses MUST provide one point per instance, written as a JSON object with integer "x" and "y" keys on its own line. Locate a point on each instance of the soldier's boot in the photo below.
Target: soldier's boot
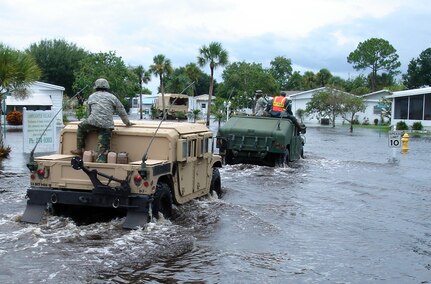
{"x": 101, "y": 158}
{"x": 301, "y": 127}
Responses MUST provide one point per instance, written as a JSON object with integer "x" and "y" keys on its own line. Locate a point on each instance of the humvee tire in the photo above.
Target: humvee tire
{"x": 162, "y": 202}
{"x": 216, "y": 183}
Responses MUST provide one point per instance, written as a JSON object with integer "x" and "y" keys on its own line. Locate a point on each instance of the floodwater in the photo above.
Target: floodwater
{"x": 352, "y": 211}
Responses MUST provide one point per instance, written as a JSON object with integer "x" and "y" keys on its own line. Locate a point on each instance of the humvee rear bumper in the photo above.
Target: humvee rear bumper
{"x": 38, "y": 198}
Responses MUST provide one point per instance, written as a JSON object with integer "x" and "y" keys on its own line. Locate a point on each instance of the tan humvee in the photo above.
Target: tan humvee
{"x": 174, "y": 103}
{"x": 157, "y": 164}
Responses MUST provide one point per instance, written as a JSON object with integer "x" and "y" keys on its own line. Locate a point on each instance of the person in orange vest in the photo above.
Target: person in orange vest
{"x": 282, "y": 107}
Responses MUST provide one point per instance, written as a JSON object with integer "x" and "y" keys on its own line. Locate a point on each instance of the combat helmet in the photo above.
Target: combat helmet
{"x": 102, "y": 84}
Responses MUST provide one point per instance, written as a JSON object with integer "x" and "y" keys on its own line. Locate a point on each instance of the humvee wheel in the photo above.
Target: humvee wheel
{"x": 283, "y": 160}
{"x": 162, "y": 201}
{"x": 228, "y": 159}
{"x": 216, "y": 183}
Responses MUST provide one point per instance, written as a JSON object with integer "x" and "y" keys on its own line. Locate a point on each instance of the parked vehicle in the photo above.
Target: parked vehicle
{"x": 176, "y": 105}
{"x": 260, "y": 140}
{"x": 151, "y": 166}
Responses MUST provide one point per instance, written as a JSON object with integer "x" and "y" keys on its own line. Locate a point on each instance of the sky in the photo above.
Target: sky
{"x": 314, "y": 34}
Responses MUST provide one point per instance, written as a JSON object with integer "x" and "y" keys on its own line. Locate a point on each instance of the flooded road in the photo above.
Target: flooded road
{"x": 352, "y": 211}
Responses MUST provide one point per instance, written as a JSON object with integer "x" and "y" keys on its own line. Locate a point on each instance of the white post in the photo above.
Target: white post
{"x": 394, "y": 153}
{"x": 227, "y": 106}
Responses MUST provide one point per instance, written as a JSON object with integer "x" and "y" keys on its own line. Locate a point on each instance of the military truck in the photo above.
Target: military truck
{"x": 176, "y": 105}
{"x": 156, "y": 165}
{"x": 260, "y": 140}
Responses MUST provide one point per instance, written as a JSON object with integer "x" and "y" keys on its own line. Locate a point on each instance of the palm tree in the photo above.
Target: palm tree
{"x": 194, "y": 73}
{"x": 161, "y": 67}
{"x": 219, "y": 113}
{"x": 144, "y": 77}
{"x": 215, "y": 56}
{"x": 195, "y": 114}
{"x": 309, "y": 80}
{"x": 17, "y": 71}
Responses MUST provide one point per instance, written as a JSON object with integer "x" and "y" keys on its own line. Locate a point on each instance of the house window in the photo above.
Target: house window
{"x": 135, "y": 102}
{"x": 401, "y": 107}
{"x": 427, "y": 112}
{"x": 203, "y": 106}
{"x": 416, "y": 107}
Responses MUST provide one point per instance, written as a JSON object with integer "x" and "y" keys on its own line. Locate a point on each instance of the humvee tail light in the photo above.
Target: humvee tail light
{"x": 42, "y": 173}
{"x": 279, "y": 146}
{"x": 137, "y": 180}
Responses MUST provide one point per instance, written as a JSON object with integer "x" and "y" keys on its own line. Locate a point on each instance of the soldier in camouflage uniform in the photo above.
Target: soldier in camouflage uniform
{"x": 101, "y": 107}
{"x": 261, "y": 103}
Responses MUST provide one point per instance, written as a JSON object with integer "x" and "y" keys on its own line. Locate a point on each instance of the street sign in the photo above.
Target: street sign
{"x": 38, "y": 130}
{"x": 394, "y": 140}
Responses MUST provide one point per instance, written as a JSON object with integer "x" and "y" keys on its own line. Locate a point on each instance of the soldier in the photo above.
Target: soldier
{"x": 101, "y": 107}
{"x": 282, "y": 106}
{"x": 261, "y": 103}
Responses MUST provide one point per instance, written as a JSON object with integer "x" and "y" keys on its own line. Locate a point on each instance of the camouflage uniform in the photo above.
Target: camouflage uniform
{"x": 260, "y": 106}
{"x": 101, "y": 105}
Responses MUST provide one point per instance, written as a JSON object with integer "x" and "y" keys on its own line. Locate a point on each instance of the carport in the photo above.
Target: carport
{"x": 34, "y": 101}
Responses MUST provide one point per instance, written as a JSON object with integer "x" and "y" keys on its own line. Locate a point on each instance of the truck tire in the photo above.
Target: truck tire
{"x": 228, "y": 159}
{"x": 283, "y": 160}
{"x": 162, "y": 201}
{"x": 216, "y": 183}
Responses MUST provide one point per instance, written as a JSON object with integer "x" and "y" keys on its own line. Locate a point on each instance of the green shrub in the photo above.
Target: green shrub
{"x": 180, "y": 115}
{"x": 417, "y": 126}
{"x": 401, "y": 125}
{"x": 65, "y": 118}
{"x": 155, "y": 113}
{"x": 376, "y": 121}
{"x": 80, "y": 112}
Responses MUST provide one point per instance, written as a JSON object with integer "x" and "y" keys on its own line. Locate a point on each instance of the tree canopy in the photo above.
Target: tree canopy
{"x": 17, "y": 71}
{"x": 144, "y": 76}
{"x": 350, "y": 105}
{"x": 161, "y": 67}
{"x": 419, "y": 71}
{"x": 326, "y": 104}
{"x": 242, "y": 79}
{"x": 58, "y": 61}
{"x": 194, "y": 73}
{"x": 376, "y": 54}
{"x": 281, "y": 70}
{"x": 323, "y": 77}
{"x": 214, "y": 55}
{"x": 123, "y": 82}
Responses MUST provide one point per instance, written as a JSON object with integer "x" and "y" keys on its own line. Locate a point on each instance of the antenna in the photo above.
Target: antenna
{"x": 145, "y": 156}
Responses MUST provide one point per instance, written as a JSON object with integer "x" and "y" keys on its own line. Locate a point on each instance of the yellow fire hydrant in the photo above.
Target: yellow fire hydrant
{"x": 405, "y": 141}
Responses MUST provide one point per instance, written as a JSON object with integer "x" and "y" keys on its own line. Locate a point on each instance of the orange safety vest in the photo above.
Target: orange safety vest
{"x": 278, "y": 104}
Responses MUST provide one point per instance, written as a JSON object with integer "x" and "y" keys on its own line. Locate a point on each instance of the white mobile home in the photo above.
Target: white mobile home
{"x": 41, "y": 96}
{"x": 412, "y": 106}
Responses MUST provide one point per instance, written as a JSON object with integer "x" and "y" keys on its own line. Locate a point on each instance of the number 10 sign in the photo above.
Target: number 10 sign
{"x": 394, "y": 140}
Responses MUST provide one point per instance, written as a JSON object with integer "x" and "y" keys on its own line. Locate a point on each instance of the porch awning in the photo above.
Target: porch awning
{"x": 35, "y": 99}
